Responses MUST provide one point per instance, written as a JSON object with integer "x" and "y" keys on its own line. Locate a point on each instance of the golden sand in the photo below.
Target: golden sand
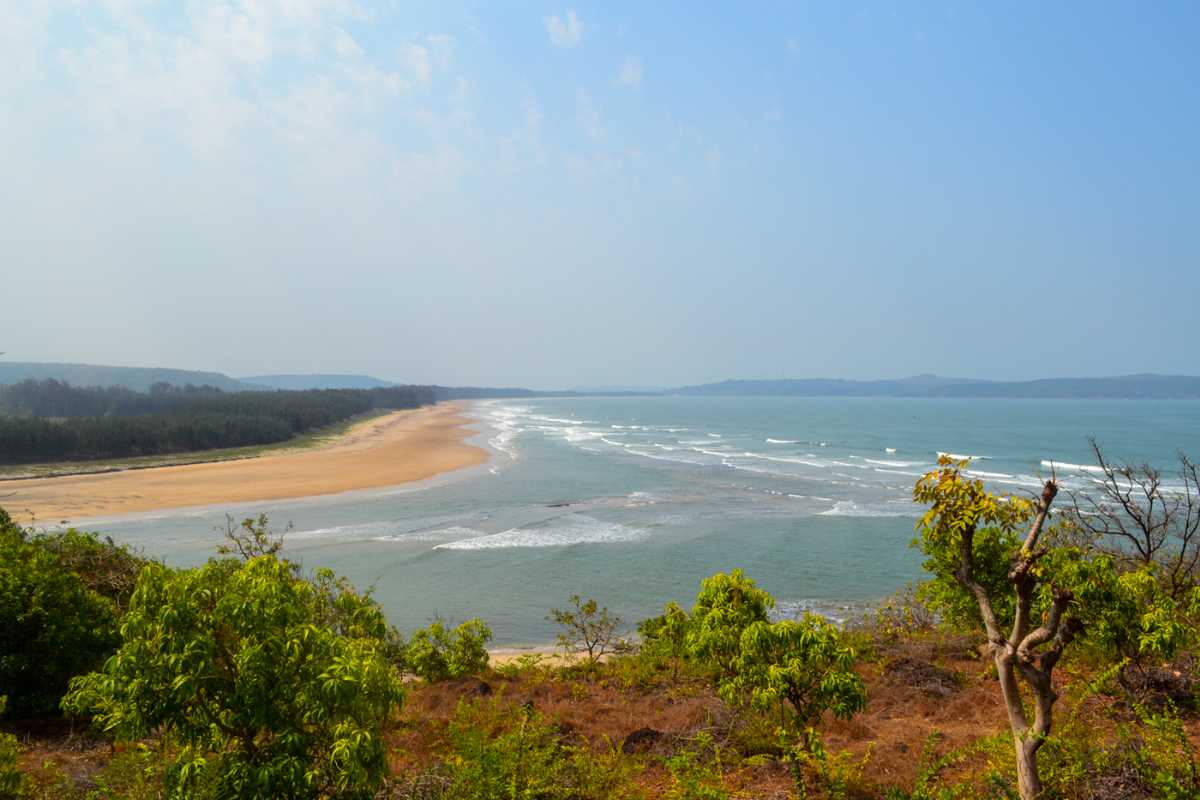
{"x": 396, "y": 448}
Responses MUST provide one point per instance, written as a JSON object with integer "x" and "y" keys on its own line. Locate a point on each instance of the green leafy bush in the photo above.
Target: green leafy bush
{"x": 507, "y": 751}
{"x": 12, "y": 782}
{"x": 237, "y": 664}
{"x": 52, "y": 625}
{"x": 726, "y": 605}
{"x": 438, "y": 653}
{"x": 694, "y": 777}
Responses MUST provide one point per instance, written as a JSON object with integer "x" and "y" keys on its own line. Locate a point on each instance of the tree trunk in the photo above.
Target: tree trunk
{"x": 1029, "y": 784}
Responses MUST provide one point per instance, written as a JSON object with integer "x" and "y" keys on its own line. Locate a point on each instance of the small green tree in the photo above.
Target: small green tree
{"x": 237, "y": 663}
{"x": 803, "y": 668}
{"x": 439, "y": 653}
{"x": 587, "y": 628}
{"x": 1033, "y": 595}
{"x": 726, "y": 605}
{"x": 666, "y": 635}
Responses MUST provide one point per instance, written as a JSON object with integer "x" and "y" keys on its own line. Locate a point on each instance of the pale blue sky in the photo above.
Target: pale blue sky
{"x": 615, "y": 193}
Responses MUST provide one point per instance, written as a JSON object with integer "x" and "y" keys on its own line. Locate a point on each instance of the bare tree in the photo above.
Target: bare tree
{"x": 589, "y": 629}
{"x": 1144, "y": 522}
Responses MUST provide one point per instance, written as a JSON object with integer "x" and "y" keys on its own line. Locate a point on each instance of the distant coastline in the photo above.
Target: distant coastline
{"x": 388, "y": 450}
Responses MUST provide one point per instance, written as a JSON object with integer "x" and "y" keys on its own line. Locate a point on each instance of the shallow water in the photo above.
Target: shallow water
{"x": 634, "y": 500}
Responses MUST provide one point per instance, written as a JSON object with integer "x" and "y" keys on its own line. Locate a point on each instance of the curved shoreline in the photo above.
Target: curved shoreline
{"x": 390, "y": 450}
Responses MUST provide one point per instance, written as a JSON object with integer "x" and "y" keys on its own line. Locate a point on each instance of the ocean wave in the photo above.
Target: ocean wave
{"x": 782, "y": 441}
{"x": 715, "y": 436}
{"x": 978, "y": 473}
{"x": 784, "y": 459}
{"x": 889, "y": 449}
{"x": 578, "y": 529}
{"x": 1073, "y": 467}
{"x": 839, "y": 612}
{"x": 452, "y": 532}
{"x": 849, "y": 508}
{"x": 884, "y": 462}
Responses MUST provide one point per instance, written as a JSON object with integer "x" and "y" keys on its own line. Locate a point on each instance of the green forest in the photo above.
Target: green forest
{"x": 50, "y": 420}
{"x": 1050, "y": 653}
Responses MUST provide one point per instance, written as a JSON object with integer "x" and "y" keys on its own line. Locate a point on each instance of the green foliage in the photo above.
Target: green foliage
{"x": 956, "y": 505}
{"x": 52, "y": 625}
{"x": 12, "y": 782}
{"x": 499, "y": 750}
{"x": 666, "y": 635}
{"x": 250, "y": 538}
{"x": 802, "y": 665}
{"x": 530, "y": 664}
{"x": 694, "y": 777}
{"x": 901, "y": 615}
{"x": 51, "y": 420}
{"x": 271, "y": 685}
{"x": 726, "y": 605}
{"x": 438, "y": 653}
{"x": 587, "y": 628}
{"x": 835, "y": 773}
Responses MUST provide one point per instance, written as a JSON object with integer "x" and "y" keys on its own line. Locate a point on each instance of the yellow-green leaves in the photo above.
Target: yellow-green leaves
{"x": 275, "y": 686}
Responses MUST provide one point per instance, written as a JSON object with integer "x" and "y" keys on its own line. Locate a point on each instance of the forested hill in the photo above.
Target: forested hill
{"x": 1145, "y": 386}
{"x": 136, "y": 378}
{"x": 317, "y": 381}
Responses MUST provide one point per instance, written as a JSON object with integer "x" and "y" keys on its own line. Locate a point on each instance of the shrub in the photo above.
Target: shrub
{"x": 588, "y": 628}
{"x": 438, "y": 653}
{"x": 505, "y": 751}
{"x": 803, "y": 668}
{"x": 666, "y": 635}
{"x": 726, "y": 605}
{"x": 52, "y": 625}
{"x": 12, "y": 782}
{"x": 235, "y": 661}
{"x": 694, "y": 778}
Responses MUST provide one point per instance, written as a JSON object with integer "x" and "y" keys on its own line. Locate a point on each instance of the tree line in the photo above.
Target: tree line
{"x": 51, "y": 420}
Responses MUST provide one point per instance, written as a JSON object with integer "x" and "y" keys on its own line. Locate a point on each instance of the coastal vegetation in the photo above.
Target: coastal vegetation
{"x": 51, "y": 420}
{"x": 1046, "y": 656}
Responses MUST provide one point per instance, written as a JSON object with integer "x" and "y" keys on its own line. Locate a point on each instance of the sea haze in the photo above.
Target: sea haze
{"x": 633, "y": 500}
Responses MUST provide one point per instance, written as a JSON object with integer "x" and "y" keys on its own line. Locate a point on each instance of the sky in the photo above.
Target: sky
{"x": 610, "y": 194}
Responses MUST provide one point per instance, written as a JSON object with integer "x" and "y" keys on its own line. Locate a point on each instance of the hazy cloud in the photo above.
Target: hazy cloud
{"x": 416, "y": 59}
{"x": 564, "y": 32}
{"x": 587, "y": 115}
{"x": 631, "y": 73}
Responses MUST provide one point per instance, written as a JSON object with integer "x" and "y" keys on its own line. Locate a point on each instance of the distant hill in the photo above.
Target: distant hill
{"x": 137, "y": 378}
{"x": 1146, "y": 386}
{"x": 300, "y": 382}
{"x": 1126, "y": 386}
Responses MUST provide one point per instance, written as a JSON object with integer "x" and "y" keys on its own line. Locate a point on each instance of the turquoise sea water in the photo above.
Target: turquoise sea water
{"x": 634, "y": 500}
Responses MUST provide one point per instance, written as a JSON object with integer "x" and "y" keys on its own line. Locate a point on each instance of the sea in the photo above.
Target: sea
{"x": 634, "y": 500}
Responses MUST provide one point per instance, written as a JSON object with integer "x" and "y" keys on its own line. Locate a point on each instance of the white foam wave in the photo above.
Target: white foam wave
{"x": 715, "y": 436}
{"x": 782, "y": 441}
{"x": 569, "y": 530}
{"x": 889, "y": 449}
{"x": 452, "y": 532}
{"x": 884, "y": 462}
{"x": 849, "y": 508}
{"x": 1073, "y": 467}
{"x": 978, "y": 473}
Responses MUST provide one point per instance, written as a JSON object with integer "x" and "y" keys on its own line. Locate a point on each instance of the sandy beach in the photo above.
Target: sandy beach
{"x": 388, "y": 450}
